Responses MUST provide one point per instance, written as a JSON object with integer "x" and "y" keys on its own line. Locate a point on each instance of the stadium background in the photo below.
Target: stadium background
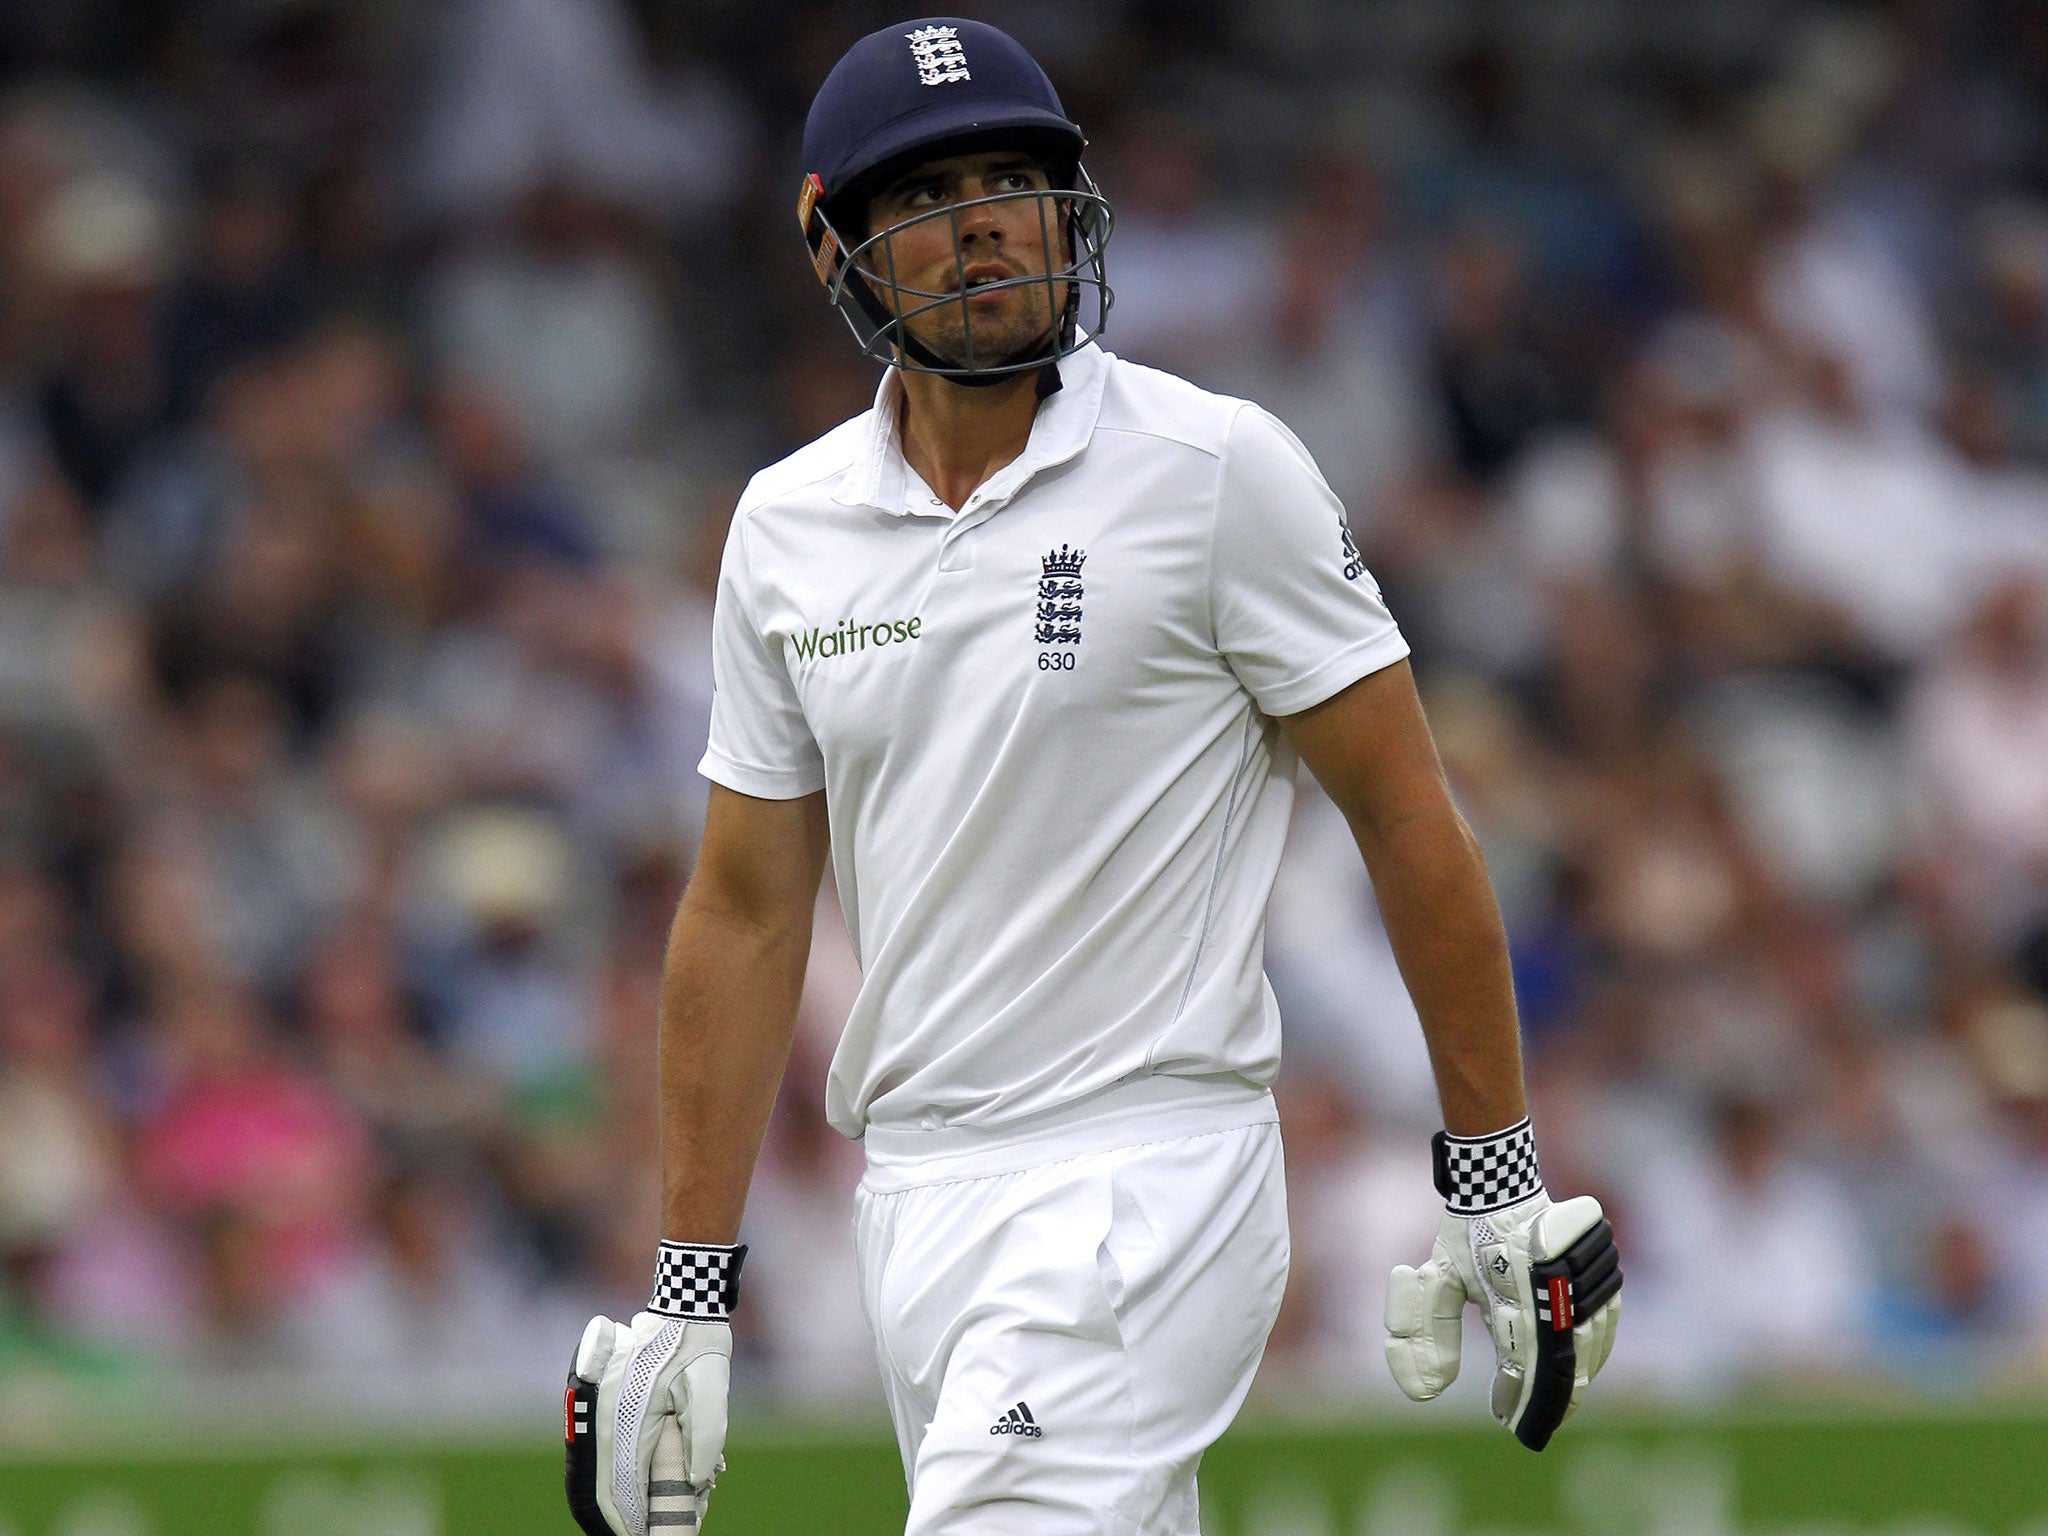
{"x": 375, "y": 382}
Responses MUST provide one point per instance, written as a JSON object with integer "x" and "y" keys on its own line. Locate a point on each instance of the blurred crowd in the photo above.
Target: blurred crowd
{"x": 376, "y": 382}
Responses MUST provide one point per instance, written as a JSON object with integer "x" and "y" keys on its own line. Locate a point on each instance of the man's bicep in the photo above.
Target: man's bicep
{"x": 1369, "y": 747}
{"x": 761, "y": 860}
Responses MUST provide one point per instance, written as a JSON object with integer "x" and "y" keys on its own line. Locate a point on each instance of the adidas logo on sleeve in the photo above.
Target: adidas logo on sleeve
{"x": 1017, "y": 1421}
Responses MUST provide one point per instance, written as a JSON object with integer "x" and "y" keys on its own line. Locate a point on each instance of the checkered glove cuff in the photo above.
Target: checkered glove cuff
{"x": 697, "y": 1280}
{"x": 1480, "y": 1174}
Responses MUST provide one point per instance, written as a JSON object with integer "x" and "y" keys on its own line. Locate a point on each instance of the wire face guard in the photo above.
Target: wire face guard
{"x": 856, "y": 285}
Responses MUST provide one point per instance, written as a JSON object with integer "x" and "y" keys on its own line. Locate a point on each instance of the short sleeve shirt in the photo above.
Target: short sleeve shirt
{"x": 1047, "y": 730}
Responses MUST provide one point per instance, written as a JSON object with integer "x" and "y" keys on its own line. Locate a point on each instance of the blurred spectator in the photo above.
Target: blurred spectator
{"x": 513, "y": 508}
{"x": 1191, "y": 273}
{"x": 363, "y": 1033}
{"x": 2006, "y": 326}
{"x": 74, "y": 669}
{"x": 1479, "y": 166}
{"x": 104, "y": 245}
{"x": 1831, "y": 279}
{"x": 1839, "y": 495}
{"x": 59, "y": 1156}
{"x": 1801, "y": 1291}
{"x": 425, "y": 1315}
{"x": 2010, "y": 1036}
{"x": 564, "y": 320}
{"x": 513, "y": 1003}
{"x": 1333, "y": 350}
{"x": 1978, "y": 731}
{"x": 267, "y": 610}
{"x": 275, "y": 854}
{"x": 528, "y": 91}
{"x": 1493, "y": 384}
{"x": 246, "y": 291}
{"x": 2001, "y": 497}
{"x": 250, "y": 1146}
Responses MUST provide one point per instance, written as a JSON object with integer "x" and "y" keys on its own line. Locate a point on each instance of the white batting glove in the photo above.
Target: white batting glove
{"x": 644, "y": 1415}
{"x": 1545, "y": 1277}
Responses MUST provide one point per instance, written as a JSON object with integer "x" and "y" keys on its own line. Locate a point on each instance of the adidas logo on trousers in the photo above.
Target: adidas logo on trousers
{"x": 1017, "y": 1421}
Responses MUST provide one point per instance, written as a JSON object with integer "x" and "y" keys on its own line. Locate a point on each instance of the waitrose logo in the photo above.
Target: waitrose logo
{"x": 848, "y": 636}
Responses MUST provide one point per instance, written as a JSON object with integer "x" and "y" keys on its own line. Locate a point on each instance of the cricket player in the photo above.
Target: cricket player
{"x": 1031, "y": 651}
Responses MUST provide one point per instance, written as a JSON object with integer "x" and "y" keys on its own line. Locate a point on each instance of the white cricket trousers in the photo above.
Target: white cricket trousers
{"x": 1060, "y": 1345}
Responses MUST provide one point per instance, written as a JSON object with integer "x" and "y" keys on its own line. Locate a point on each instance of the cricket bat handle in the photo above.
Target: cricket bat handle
{"x": 672, "y": 1504}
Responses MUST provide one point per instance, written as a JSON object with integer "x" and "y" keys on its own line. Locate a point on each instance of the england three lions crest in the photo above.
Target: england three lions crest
{"x": 1059, "y": 597}
{"x": 938, "y": 56}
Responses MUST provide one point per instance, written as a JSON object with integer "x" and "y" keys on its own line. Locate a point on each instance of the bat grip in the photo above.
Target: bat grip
{"x": 672, "y": 1504}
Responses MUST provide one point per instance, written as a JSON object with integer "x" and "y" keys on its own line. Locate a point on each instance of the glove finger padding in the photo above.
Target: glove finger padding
{"x": 699, "y": 1395}
{"x": 579, "y": 1425}
{"x": 1573, "y": 1277}
{"x": 1425, "y": 1314}
{"x": 1598, "y": 1341}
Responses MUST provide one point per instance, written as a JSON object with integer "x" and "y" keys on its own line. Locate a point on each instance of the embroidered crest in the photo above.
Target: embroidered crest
{"x": 937, "y": 53}
{"x": 1059, "y": 597}
{"x": 1354, "y": 563}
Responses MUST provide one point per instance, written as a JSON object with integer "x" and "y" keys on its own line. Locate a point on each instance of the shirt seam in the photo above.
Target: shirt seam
{"x": 1301, "y": 693}
{"x": 747, "y": 509}
{"x": 1215, "y": 523}
{"x": 1168, "y": 437}
{"x": 760, "y": 772}
{"x": 1243, "y": 755}
{"x": 1230, "y": 809}
{"x": 746, "y": 593}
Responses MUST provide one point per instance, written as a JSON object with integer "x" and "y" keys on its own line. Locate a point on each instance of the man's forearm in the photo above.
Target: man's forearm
{"x": 729, "y": 997}
{"x": 1444, "y": 925}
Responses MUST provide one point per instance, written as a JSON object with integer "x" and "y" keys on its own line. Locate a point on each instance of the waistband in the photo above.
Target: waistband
{"x": 1122, "y": 1115}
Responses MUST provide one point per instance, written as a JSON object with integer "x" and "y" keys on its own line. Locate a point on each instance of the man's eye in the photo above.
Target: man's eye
{"x": 1014, "y": 181}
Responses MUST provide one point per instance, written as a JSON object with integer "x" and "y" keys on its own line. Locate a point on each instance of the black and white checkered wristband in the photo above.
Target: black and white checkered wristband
{"x": 1480, "y": 1174}
{"x": 700, "y": 1281}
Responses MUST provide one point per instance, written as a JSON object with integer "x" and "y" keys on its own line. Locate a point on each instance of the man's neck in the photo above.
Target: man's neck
{"x": 956, "y": 437}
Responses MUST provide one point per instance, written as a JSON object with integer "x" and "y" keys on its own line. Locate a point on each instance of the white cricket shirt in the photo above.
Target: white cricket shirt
{"x": 1045, "y": 726}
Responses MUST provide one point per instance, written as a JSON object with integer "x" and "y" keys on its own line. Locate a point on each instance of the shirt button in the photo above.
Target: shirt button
{"x": 938, "y": 501}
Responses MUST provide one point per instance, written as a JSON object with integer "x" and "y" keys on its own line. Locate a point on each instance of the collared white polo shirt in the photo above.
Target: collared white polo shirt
{"x": 1046, "y": 729}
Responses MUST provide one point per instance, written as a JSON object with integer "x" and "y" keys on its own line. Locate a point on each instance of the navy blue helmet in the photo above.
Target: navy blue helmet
{"x": 926, "y": 90}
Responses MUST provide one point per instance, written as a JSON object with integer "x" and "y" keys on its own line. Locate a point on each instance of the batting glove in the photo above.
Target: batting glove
{"x": 644, "y": 1414}
{"x": 1545, "y": 1277}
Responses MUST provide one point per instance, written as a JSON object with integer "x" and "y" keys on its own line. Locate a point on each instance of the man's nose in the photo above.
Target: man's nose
{"x": 980, "y": 223}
